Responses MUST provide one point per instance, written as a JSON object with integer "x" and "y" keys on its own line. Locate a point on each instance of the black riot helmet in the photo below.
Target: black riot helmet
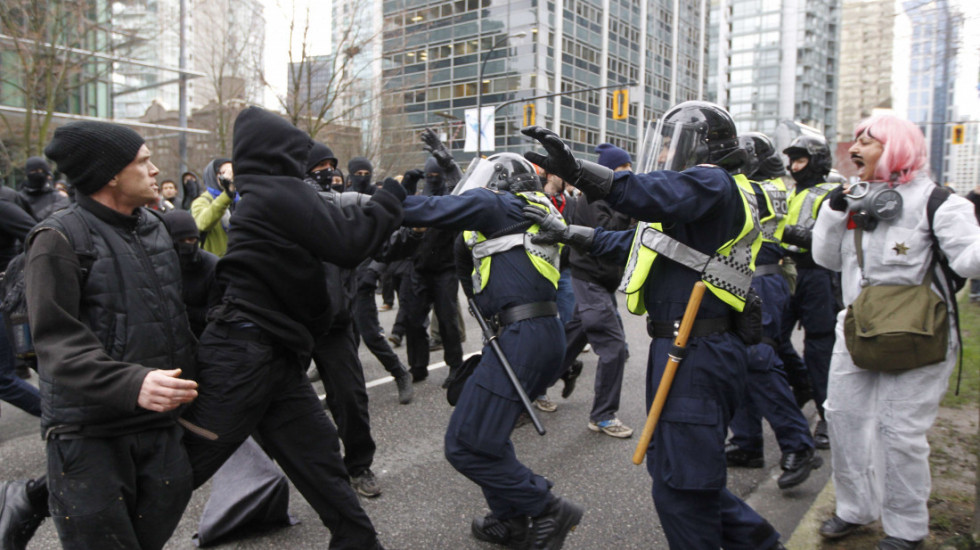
{"x": 696, "y": 132}
{"x": 758, "y": 150}
{"x": 501, "y": 172}
{"x": 815, "y": 148}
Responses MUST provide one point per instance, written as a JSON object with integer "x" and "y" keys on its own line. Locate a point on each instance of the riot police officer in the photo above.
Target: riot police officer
{"x": 768, "y": 392}
{"x": 514, "y": 283}
{"x": 814, "y": 302}
{"x": 705, "y": 221}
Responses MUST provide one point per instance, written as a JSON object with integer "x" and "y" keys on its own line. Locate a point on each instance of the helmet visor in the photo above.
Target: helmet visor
{"x": 673, "y": 147}
{"x": 478, "y": 174}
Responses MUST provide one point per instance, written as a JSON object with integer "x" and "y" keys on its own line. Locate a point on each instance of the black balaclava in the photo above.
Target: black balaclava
{"x": 181, "y": 225}
{"x": 435, "y": 179}
{"x": 360, "y": 184}
{"x": 38, "y": 174}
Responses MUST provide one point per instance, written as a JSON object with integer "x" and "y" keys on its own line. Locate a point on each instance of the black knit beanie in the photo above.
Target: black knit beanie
{"x": 37, "y": 163}
{"x": 181, "y": 224}
{"x": 359, "y": 163}
{"x": 91, "y": 153}
{"x": 318, "y": 153}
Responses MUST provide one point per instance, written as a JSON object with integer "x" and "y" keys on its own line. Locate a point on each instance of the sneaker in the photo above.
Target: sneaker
{"x": 738, "y": 458}
{"x": 821, "y": 439}
{"x": 612, "y": 427}
{"x": 396, "y": 340}
{"x": 796, "y": 468}
{"x": 835, "y": 528}
{"x": 569, "y": 378}
{"x": 384, "y": 307}
{"x": 545, "y": 404}
{"x": 511, "y": 533}
{"x": 405, "y": 390}
{"x": 548, "y": 531}
{"x": 366, "y": 484}
{"x": 895, "y": 543}
{"x": 18, "y": 520}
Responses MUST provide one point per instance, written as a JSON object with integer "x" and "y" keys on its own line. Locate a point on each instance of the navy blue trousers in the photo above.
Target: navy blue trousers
{"x": 478, "y": 441}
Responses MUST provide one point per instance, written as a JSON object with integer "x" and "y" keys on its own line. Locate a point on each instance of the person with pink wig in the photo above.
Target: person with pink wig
{"x": 879, "y": 419}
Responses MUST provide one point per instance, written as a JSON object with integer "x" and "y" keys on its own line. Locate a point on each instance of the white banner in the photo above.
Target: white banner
{"x": 486, "y": 127}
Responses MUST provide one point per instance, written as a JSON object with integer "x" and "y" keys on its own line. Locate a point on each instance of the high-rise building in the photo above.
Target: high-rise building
{"x": 443, "y": 57}
{"x": 775, "y": 60}
{"x": 932, "y": 73}
{"x": 308, "y": 82}
{"x": 865, "y": 62}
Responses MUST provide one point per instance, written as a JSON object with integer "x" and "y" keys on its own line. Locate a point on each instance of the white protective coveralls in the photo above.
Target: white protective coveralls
{"x": 878, "y": 421}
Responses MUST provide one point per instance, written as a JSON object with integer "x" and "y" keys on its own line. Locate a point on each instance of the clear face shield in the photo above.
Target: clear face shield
{"x": 478, "y": 174}
{"x": 672, "y": 147}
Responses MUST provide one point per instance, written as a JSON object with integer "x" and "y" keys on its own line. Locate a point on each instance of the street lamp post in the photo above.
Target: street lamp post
{"x": 479, "y": 89}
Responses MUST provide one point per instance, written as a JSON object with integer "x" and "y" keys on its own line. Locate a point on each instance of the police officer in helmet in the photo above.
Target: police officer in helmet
{"x": 514, "y": 282}
{"x": 705, "y": 220}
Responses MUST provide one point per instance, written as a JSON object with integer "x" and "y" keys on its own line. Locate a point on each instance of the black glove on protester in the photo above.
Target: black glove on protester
{"x": 410, "y": 181}
{"x": 551, "y": 230}
{"x": 837, "y": 200}
{"x": 592, "y": 179}
{"x": 226, "y": 184}
{"x": 434, "y": 146}
{"x": 392, "y": 186}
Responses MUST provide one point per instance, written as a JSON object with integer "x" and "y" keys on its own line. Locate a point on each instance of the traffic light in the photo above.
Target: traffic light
{"x": 958, "y": 134}
{"x": 621, "y": 104}
{"x": 528, "y": 114}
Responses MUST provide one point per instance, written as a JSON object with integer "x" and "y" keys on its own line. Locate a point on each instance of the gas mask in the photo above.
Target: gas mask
{"x": 871, "y": 202}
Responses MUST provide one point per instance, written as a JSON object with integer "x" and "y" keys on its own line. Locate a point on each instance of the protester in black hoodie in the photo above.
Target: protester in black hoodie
{"x": 37, "y": 195}
{"x": 253, "y": 354}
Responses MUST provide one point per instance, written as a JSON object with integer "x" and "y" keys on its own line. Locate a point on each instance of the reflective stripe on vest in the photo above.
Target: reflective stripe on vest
{"x": 544, "y": 257}
{"x": 803, "y": 208}
{"x": 727, "y": 273}
{"x": 777, "y": 198}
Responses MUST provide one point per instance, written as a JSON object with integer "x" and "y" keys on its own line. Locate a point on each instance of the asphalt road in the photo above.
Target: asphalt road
{"x": 427, "y": 505}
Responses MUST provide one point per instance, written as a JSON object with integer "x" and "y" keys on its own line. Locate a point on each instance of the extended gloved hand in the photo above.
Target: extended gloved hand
{"x": 552, "y": 229}
{"x": 837, "y": 199}
{"x": 437, "y": 149}
{"x": 592, "y": 179}
{"x": 392, "y": 186}
{"x": 410, "y": 181}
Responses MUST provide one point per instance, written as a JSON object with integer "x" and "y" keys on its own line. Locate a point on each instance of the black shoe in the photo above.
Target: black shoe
{"x": 738, "y": 458}
{"x": 796, "y": 468}
{"x": 405, "y": 390}
{"x": 569, "y": 378}
{"x": 396, "y": 340}
{"x": 835, "y": 528}
{"x": 511, "y": 533}
{"x": 419, "y": 375}
{"x": 548, "y": 531}
{"x": 18, "y": 520}
{"x": 820, "y": 438}
{"x": 895, "y": 543}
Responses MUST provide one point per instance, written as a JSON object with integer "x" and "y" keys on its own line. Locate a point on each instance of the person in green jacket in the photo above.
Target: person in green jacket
{"x": 213, "y": 207}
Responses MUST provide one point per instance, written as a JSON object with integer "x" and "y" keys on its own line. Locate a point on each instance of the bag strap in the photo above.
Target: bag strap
{"x": 81, "y": 240}
{"x": 936, "y": 198}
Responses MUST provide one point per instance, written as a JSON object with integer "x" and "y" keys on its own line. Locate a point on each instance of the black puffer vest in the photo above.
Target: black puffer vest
{"x": 131, "y": 300}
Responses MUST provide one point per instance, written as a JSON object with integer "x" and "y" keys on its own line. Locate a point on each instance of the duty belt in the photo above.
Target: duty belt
{"x": 768, "y": 269}
{"x": 702, "y": 327}
{"x": 524, "y": 311}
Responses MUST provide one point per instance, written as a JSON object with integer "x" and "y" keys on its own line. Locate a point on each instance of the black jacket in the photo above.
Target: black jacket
{"x": 15, "y": 224}
{"x": 283, "y": 231}
{"x": 589, "y": 268}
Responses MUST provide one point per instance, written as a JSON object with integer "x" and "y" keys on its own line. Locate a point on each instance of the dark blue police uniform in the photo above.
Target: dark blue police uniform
{"x": 700, "y": 207}
{"x": 477, "y": 442}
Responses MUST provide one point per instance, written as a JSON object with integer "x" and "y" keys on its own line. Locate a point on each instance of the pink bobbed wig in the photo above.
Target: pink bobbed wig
{"x": 903, "y": 147}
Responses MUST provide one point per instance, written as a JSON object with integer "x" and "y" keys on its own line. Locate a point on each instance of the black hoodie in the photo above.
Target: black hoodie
{"x": 282, "y": 231}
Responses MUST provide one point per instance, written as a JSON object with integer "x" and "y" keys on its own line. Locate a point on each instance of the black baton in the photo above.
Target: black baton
{"x": 491, "y": 339}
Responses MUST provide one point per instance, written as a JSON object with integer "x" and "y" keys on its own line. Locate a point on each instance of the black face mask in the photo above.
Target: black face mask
{"x": 190, "y": 182}
{"x": 37, "y": 180}
{"x": 189, "y": 253}
{"x": 435, "y": 185}
{"x": 360, "y": 183}
{"x": 322, "y": 178}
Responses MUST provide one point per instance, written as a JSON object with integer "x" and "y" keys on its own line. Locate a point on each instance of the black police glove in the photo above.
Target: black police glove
{"x": 837, "y": 199}
{"x": 436, "y": 148}
{"x": 392, "y": 186}
{"x": 227, "y": 185}
{"x": 410, "y": 181}
{"x": 590, "y": 178}
{"x": 551, "y": 230}
{"x": 798, "y": 236}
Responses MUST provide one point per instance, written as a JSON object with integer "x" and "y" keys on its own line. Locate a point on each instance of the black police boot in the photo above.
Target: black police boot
{"x": 796, "y": 468}
{"x": 18, "y": 518}
{"x": 835, "y": 528}
{"x": 548, "y": 531}
{"x": 821, "y": 439}
{"x": 895, "y": 543}
{"x": 511, "y": 533}
{"x": 738, "y": 458}
{"x": 403, "y": 380}
{"x": 569, "y": 378}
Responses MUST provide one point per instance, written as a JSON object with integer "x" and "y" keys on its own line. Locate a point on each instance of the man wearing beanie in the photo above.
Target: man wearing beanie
{"x": 112, "y": 339}
{"x": 212, "y": 208}
{"x": 613, "y": 157}
{"x": 361, "y": 171}
{"x": 37, "y": 195}
{"x": 253, "y": 354}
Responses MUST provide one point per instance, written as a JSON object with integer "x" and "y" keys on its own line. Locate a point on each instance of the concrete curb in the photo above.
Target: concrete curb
{"x": 806, "y": 536}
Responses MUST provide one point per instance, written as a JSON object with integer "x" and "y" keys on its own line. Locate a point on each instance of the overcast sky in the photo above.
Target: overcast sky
{"x": 278, "y": 14}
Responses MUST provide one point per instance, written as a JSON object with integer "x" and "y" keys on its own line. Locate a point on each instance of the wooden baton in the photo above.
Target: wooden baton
{"x": 674, "y": 358}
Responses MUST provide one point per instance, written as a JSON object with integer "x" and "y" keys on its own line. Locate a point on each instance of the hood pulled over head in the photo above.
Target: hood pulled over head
{"x": 264, "y": 143}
